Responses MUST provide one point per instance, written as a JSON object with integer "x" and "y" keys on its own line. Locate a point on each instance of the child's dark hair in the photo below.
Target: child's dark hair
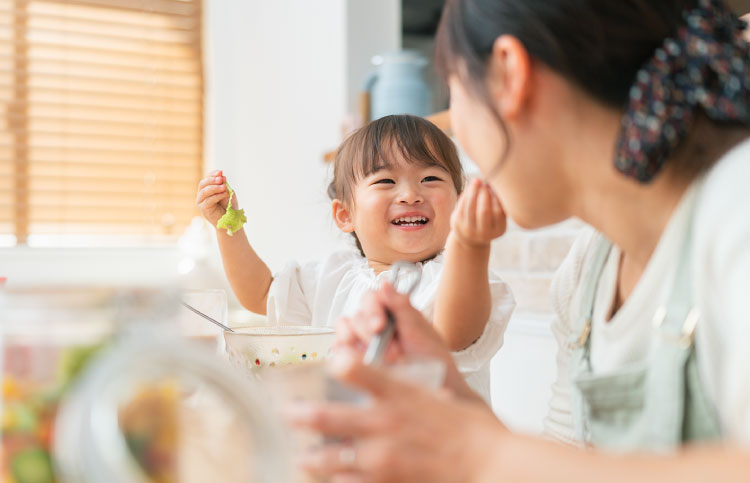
{"x": 374, "y": 146}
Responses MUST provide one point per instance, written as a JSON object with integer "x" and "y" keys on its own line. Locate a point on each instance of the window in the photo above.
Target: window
{"x": 101, "y": 120}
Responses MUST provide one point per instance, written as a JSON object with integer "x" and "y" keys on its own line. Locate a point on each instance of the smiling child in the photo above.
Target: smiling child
{"x": 398, "y": 188}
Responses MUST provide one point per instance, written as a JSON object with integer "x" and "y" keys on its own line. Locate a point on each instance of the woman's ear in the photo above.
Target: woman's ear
{"x": 509, "y": 76}
{"x": 342, "y": 216}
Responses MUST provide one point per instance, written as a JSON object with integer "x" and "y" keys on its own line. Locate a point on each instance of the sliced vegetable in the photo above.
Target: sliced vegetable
{"x": 232, "y": 220}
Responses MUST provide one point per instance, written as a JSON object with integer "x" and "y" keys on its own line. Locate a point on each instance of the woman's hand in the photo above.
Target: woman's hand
{"x": 213, "y": 195}
{"x": 414, "y": 335}
{"x": 478, "y": 217}
{"x": 407, "y": 433}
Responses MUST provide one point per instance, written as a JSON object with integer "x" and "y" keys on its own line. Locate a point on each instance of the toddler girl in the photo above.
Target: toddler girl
{"x": 395, "y": 188}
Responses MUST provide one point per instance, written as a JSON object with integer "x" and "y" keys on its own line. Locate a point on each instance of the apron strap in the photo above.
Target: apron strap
{"x": 580, "y": 335}
{"x": 666, "y": 380}
{"x": 578, "y": 342}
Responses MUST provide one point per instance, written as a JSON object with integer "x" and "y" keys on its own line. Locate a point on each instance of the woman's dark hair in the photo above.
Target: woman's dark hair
{"x": 597, "y": 45}
{"x": 376, "y": 145}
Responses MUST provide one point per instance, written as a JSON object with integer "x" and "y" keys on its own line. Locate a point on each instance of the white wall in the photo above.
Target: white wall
{"x": 281, "y": 78}
{"x": 275, "y": 78}
{"x": 522, "y": 373}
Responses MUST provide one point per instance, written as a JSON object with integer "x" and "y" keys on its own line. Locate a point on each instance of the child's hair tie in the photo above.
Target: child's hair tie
{"x": 706, "y": 65}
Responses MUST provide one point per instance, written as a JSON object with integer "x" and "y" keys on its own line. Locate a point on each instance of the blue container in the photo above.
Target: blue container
{"x": 398, "y": 85}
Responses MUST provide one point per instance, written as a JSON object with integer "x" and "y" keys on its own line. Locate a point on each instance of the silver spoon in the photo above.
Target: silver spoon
{"x": 378, "y": 344}
{"x": 210, "y": 319}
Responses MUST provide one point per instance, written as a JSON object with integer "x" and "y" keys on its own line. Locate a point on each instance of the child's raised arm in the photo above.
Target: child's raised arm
{"x": 249, "y": 277}
{"x": 477, "y": 219}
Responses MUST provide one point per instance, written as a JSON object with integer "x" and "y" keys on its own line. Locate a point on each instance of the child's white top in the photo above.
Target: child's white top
{"x": 721, "y": 282}
{"x": 318, "y": 293}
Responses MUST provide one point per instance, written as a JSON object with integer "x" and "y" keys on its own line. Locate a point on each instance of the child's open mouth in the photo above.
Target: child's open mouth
{"x": 410, "y": 221}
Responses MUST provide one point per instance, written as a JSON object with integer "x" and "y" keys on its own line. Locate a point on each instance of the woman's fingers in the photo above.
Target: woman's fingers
{"x": 351, "y": 477}
{"x": 392, "y": 354}
{"x": 327, "y": 460}
{"x": 407, "y": 317}
{"x": 393, "y": 299}
{"x": 357, "y": 331}
{"x": 336, "y": 420}
{"x": 371, "y": 319}
{"x": 347, "y": 338}
{"x": 373, "y": 379}
{"x": 414, "y": 334}
{"x": 367, "y": 461}
{"x": 345, "y": 335}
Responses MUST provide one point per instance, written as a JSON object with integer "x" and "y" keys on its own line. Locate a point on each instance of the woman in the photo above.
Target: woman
{"x": 633, "y": 116}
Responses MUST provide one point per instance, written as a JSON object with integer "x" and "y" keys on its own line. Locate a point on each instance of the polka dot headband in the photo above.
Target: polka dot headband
{"x": 707, "y": 66}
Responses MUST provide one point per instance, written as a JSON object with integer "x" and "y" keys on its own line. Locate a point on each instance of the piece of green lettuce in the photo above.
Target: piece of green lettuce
{"x": 232, "y": 220}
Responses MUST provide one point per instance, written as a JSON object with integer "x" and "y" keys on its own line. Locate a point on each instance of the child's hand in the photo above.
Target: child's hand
{"x": 478, "y": 217}
{"x": 212, "y": 197}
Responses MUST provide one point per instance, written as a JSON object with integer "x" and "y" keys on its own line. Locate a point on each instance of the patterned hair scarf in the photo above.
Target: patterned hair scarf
{"x": 706, "y": 65}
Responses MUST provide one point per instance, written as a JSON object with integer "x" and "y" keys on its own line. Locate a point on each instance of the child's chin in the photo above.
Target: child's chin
{"x": 416, "y": 253}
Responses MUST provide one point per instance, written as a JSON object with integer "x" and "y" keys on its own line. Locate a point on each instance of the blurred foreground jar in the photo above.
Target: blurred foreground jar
{"x": 98, "y": 385}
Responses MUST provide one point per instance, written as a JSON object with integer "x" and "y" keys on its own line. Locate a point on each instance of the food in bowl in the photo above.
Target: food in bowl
{"x": 254, "y": 349}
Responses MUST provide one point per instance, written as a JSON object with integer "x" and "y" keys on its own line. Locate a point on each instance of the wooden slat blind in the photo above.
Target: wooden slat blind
{"x": 101, "y": 117}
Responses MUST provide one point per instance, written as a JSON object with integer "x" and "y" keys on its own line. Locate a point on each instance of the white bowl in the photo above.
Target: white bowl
{"x": 258, "y": 348}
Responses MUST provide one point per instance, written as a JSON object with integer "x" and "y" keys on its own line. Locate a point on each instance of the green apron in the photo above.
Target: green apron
{"x": 656, "y": 405}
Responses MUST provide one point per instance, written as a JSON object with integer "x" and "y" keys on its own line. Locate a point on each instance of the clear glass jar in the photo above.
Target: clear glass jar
{"x": 99, "y": 385}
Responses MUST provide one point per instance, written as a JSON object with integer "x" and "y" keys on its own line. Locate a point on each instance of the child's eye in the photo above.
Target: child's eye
{"x": 385, "y": 181}
{"x": 432, "y": 178}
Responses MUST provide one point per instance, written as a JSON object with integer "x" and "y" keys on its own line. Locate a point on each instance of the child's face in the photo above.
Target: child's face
{"x": 400, "y": 213}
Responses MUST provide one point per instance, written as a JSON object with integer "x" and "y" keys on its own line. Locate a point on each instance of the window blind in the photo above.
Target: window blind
{"x": 101, "y": 118}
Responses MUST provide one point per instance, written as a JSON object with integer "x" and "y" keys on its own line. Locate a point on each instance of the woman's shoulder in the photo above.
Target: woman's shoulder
{"x": 724, "y": 189}
{"x": 721, "y": 225}
{"x": 721, "y": 282}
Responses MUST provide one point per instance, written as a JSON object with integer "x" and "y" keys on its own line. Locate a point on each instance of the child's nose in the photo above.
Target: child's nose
{"x": 410, "y": 195}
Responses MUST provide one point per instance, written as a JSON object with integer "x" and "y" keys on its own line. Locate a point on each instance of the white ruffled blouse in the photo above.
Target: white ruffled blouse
{"x": 318, "y": 293}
